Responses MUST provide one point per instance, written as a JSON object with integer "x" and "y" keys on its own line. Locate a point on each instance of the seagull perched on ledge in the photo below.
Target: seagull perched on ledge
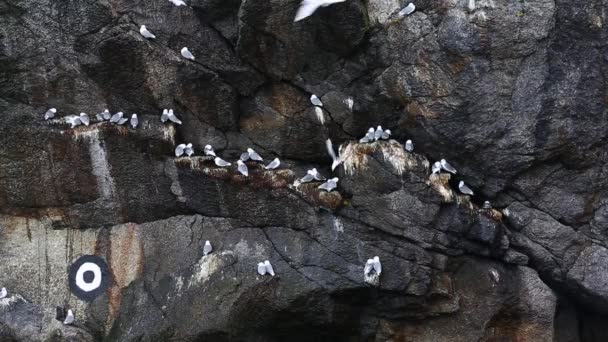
{"x": 187, "y": 54}
{"x": 446, "y": 166}
{"x": 209, "y": 150}
{"x": 221, "y": 162}
{"x": 50, "y": 113}
{"x": 329, "y": 185}
{"x": 369, "y": 136}
{"x": 312, "y": 175}
{"x": 144, "y": 32}
{"x": 409, "y": 146}
{"x": 314, "y": 99}
{"x": 308, "y": 7}
{"x": 207, "y": 248}
{"x": 372, "y": 271}
{"x": 465, "y": 189}
{"x": 243, "y": 169}
{"x": 69, "y": 319}
{"x": 265, "y": 267}
{"x": 273, "y": 164}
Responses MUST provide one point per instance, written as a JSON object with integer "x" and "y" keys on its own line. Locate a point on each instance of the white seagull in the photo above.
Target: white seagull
{"x": 409, "y": 146}
{"x": 369, "y": 136}
{"x": 329, "y": 185}
{"x": 3, "y": 293}
{"x": 74, "y": 120}
{"x": 253, "y": 155}
{"x": 372, "y": 271}
{"x": 244, "y": 156}
{"x": 436, "y": 168}
{"x": 84, "y": 118}
{"x": 144, "y": 32}
{"x": 69, "y": 318}
{"x": 189, "y": 150}
{"x": 179, "y": 150}
{"x": 242, "y": 168}
{"x": 134, "y": 120}
{"x": 465, "y": 189}
{"x": 312, "y": 175}
{"x": 330, "y": 150}
{"x": 187, "y": 54}
{"x": 273, "y": 164}
{"x": 446, "y": 166}
{"x": 116, "y": 117}
{"x": 265, "y": 267}
{"x": 407, "y": 10}
{"x": 165, "y": 115}
{"x": 174, "y": 118}
{"x": 314, "y": 99}
{"x": 105, "y": 115}
{"x": 178, "y": 2}
{"x": 308, "y": 7}
{"x": 386, "y": 134}
{"x": 50, "y": 113}
{"x": 207, "y": 248}
{"x": 208, "y": 150}
{"x": 221, "y": 162}
{"x": 378, "y": 133}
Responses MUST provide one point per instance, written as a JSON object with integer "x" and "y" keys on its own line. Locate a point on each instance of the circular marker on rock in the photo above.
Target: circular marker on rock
{"x": 89, "y": 277}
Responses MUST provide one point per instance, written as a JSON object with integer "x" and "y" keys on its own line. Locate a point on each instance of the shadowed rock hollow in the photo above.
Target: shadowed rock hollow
{"x": 512, "y": 93}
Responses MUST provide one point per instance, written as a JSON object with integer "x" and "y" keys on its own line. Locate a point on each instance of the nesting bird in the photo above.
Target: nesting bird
{"x": 329, "y": 185}
{"x": 265, "y": 267}
{"x": 84, "y": 118}
{"x": 436, "y": 168}
{"x": 308, "y": 7}
{"x": 105, "y": 115}
{"x": 369, "y": 136}
{"x": 465, "y": 189}
{"x": 74, "y": 120}
{"x": 69, "y": 318}
{"x": 312, "y": 175}
{"x": 409, "y": 146}
{"x": 171, "y": 116}
{"x": 207, "y": 248}
{"x": 378, "y": 133}
{"x": 144, "y": 32}
{"x": 187, "y": 54}
{"x": 242, "y": 167}
{"x": 116, "y": 117}
{"x": 253, "y": 155}
{"x": 179, "y": 150}
{"x": 446, "y": 166}
{"x": 221, "y": 162}
{"x": 208, "y": 150}
{"x": 189, "y": 150}
{"x": 372, "y": 271}
{"x": 50, "y": 113}
{"x": 314, "y": 99}
{"x": 386, "y": 134}
{"x": 273, "y": 164}
{"x": 134, "y": 121}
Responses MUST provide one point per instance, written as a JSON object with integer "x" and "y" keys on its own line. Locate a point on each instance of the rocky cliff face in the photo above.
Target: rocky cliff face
{"x": 513, "y": 93}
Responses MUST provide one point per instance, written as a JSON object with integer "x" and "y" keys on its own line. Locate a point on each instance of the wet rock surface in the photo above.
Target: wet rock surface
{"x": 513, "y": 94}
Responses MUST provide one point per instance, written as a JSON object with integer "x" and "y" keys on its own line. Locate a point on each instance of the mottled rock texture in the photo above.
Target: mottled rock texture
{"x": 512, "y": 93}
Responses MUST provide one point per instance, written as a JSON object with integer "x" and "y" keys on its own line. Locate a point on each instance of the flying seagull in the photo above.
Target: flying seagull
{"x": 265, "y": 267}
{"x": 378, "y": 133}
{"x": 144, "y": 32}
{"x": 3, "y": 293}
{"x": 207, "y": 248}
{"x": 273, "y": 164}
{"x": 165, "y": 115}
{"x": 174, "y": 118}
{"x": 372, "y": 271}
{"x": 465, "y": 189}
{"x": 329, "y": 185}
{"x": 179, "y": 150}
{"x": 436, "y": 168}
{"x": 221, "y": 162}
{"x": 242, "y": 168}
{"x": 84, "y": 118}
{"x": 253, "y": 155}
{"x": 178, "y": 2}
{"x": 386, "y": 134}
{"x": 208, "y": 150}
{"x": 116, "y": 117}
{"x": 187, "y": 54}
{"x": 407, "y": 10}
{"x": 189, "y": 150}
{"x": 134, "y": 120}
{"x": 69, "y": 318}
{"x": 330, "y": 150}
{"x": 409, "y": 146}
{"x": 50, "y": 113}
{"x": 308, "y": 7}
{"x": 314, "y": 99}
{"x": 446, "y": 166}
{"x": 312, "y": 175}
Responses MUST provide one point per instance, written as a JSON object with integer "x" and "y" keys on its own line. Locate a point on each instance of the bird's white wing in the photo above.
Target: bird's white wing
{"x": 261, "y": 268}
{"x": 255, "y": 156}
{"x": 307, "y": 8}
{"x": 269, "y": 268}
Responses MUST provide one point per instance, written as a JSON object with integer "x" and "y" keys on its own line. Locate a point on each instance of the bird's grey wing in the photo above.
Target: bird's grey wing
{"x": 243, "y": 169}
{"x": 164, "y": 117}
{"x": 255, "y": 156}
{"x": 324, "y": 186}
{"x": 466, "y": 190}
{"x": 368, "y": 267}
{"x": 377, "y": 266}
{"x": 174, "y": 118}
{"x": 319, "y": 177}
{"x": 364, "y": 140}
{"x": 306, "y": 179}
{"x": 269, "y": 268}
{"x": 307, "y": 8}
{"x": 274, "y": 164}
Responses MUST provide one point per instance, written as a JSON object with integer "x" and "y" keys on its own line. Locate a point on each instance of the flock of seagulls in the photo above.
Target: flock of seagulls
{"x": 373, "y": 267}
